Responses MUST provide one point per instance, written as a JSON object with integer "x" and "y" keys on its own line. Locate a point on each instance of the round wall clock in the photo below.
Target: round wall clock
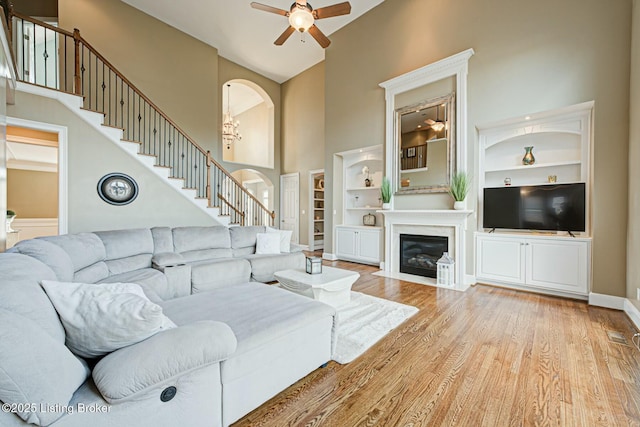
{"x": 117, "y": 189}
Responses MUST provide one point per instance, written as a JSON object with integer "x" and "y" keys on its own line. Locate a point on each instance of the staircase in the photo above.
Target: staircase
{"x": 52, "y": 59}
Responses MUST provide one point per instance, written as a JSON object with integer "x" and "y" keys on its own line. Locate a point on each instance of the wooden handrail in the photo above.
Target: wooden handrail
{"x": 236, "y": 210}
{"x": 251, "y": 196}
{"x": 141, "y": 95}
{"x": 40, "y": 23}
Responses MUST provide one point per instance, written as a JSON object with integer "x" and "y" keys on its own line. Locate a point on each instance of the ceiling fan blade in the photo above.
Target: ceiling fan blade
{"x": 319, "y": 36}
{"x": 430, "y": 122}
{"x": 271, "y": 9}
{"x": 284, "y": 36}
{"x": 334, "y": 10}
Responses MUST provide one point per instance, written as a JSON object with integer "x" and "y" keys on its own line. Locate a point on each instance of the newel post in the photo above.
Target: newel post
{"x": 77, "y": 80}
{"x": 209, "y": 178}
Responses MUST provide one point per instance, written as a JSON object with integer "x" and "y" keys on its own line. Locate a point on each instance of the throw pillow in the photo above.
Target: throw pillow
{"x": 285, "y": 238}
{"x": 267, "y": 243}
{"x": 38, "y": 373}
{"x": 99, "y": 319}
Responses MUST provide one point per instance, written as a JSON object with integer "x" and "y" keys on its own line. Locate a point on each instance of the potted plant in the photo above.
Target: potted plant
{"x": 10, "y": 217}
{"x": 459, "y": 188}
{"x": 385, "y": 193}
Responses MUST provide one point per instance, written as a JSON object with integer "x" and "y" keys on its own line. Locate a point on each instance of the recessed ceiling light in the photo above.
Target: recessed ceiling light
{"x": 419, "y": 126}
{"x": 528, "y": 118}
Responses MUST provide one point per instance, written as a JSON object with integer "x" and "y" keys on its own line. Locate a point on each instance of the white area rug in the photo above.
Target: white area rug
{"x": 363, "y": 322}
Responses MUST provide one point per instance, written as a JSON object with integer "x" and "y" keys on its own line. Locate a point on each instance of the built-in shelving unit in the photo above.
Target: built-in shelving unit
{"x": 550, "y": 262}
{"x": 316, "y": 210}
{"x": 362, "y": 176}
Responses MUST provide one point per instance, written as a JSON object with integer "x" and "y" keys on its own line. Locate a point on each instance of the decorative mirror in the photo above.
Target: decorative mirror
{"x": 117, "y": 189}
{"x": 424, "y": 148}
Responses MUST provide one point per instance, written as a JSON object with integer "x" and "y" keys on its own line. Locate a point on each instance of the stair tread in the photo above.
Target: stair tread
{"x": 113, "y": 127}
{"x": 130, "y": 140}
{"x": 92, "y": 110}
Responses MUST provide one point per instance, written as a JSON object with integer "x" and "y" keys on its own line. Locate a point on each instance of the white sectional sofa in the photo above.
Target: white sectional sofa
{"x": 237, "y": 343}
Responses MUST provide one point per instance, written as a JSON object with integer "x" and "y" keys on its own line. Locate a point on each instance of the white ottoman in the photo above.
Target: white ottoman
{"x": 332, "y": 286}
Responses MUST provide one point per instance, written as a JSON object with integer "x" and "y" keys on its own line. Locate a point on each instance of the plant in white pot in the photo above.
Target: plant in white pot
{"x": 459, "y": 188}
{"x": 11, "y": 215}
{"x": 385, "y": 193}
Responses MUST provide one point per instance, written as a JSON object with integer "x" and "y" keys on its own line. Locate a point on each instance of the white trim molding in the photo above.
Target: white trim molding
{"x": 606, "y": 301}
{"x": 633, "y": 313}
{"x": 329, "y": 256}
{"x": 455, "y": 65}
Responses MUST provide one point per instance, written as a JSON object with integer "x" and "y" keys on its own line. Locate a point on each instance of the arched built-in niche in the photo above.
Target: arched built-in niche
{"x": 253, "y": 108}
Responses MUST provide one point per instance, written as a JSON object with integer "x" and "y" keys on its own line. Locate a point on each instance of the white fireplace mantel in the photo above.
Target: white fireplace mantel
{"x": 453, "y": 223}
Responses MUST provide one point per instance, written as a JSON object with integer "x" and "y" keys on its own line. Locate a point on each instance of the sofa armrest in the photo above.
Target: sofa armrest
{"x": 157, "y": 361}
{"x": 295, "y": 248}
{"x": 167, "y": 259}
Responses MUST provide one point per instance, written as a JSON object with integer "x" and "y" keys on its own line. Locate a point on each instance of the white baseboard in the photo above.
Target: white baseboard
{"x": 633, "y": 313}
{"x": 469, "y": 280}
{"x": 607, "y": 301}
{"x": 329, "y": 257}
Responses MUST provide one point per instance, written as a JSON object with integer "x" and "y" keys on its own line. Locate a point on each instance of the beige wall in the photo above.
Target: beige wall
{"x": 633, "y": 237}
{"x": 254, "y": 148}
{"x": 303, "y": 137}
{"x": 177, "y": 72}
{"x": 89, "y": 157}
{"x": 32, "y": 194}
{"x": 526, "y": 61}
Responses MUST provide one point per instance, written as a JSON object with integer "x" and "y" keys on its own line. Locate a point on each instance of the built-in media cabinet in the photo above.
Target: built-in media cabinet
{"x": 547, "y": 258}
{"x": 362, "y": 171}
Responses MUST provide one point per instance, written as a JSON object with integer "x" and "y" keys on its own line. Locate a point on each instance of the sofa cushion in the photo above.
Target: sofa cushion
{"x": 285, "y": 238}
{"x": 162, "y": 240}
{"x": 20, "y": 292}
{"x": 126, "y": 243}
{"x": 267, "y": 243}
{"x": 186, "y": 239}
{"x": 92, "y": 274}
{"x": 257, "y": 314}
{"x": 52, "y": 255}
{"x": 84, "y": 249}
{"x": 213, "y": 274}
{"x": 206, "y": 254}
{"x": 243, "y": 239}
{"x": 149, "y": 279}
{"x": 263, "y": 266}
{"x": 36, "y": 370}
{"x": 99, "y": 319}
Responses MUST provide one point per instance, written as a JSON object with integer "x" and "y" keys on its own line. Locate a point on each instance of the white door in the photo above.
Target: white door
{"x": 346, "y": 242}
{"x": 500, "y": 259}
{"x": 369, "y": 245}
{"x": 561, "y": 266}
{"x": 290, "y": 204}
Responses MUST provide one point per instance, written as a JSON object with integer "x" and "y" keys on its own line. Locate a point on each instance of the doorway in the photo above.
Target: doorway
{"x": 36, "y": 179}
{"x": 290, "y": 204}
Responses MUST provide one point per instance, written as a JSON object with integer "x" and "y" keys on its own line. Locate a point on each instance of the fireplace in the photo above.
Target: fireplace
{"x": 419, "y": 254}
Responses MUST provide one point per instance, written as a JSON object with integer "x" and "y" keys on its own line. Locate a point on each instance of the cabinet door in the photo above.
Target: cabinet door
{"x": 345, "y": 242}
{"x": 369, "y": 245}
{"x": 558, "y": 265}
{"x": 500, "y": 259}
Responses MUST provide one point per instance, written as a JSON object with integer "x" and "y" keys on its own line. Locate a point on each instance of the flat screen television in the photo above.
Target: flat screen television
{"x": 554, "y": 207}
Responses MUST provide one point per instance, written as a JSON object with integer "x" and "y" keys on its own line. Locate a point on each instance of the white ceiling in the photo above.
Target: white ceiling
{"x": 32, "y": 157}
{"x": 245, "y": 35}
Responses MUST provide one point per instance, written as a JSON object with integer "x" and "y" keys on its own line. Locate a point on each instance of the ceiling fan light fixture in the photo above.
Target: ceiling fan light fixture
{"x": 437, "y": 126}
{"x": 301, "y": 18}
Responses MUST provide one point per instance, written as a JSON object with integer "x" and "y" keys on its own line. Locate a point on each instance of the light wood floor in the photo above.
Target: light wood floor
{"x": 485, "y": 357}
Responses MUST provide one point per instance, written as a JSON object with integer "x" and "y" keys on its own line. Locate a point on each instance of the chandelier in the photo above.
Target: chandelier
{"x": 230, "y": 132}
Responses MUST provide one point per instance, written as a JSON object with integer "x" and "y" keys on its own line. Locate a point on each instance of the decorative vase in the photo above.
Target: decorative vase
{"x": 458, "y": 205}
{"x": 528, "y": 158}
{"x": 386, "y": 206}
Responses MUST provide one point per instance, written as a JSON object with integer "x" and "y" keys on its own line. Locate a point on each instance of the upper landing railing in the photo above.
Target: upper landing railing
{"x": 62, "y": 60}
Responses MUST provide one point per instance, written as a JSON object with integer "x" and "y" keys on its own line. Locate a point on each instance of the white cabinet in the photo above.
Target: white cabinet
{"x": 360, "y": 244}
{"x": 553, "y": 264}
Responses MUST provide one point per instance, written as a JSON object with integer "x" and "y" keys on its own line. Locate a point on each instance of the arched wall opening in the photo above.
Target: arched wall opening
{"x": 252, "y": 108}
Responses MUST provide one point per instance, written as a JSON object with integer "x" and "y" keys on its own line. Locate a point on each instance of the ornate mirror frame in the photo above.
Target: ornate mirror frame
{"x": 453, "y": 66}
{"x": 448, "y": 101}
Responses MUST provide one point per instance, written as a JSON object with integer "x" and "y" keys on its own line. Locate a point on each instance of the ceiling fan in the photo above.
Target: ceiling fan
{"x": 302, "y": 16}
{"x": 436, "y": 124}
